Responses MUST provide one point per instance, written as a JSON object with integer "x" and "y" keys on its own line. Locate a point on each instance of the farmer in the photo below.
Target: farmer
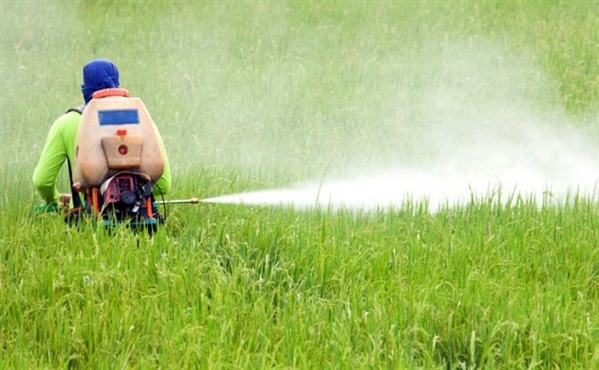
{"x": 60, "y": 144}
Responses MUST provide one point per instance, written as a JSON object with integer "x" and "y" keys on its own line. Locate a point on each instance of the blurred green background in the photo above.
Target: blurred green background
{"x": 292, "y": 89}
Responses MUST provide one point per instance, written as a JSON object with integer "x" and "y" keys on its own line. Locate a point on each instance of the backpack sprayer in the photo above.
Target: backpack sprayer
{"x": 119, "y": 156}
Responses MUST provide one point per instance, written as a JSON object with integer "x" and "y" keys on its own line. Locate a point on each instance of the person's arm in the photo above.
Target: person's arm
{"x": 48, "y": 167}
{"x": 163, "y": 185}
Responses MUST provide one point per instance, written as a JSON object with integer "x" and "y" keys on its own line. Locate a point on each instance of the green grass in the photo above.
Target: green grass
{"x": 253, "y": 95}
{"x": 498, "y": 286}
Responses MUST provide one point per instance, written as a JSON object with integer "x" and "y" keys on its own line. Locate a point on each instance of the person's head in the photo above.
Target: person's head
{"x": 98, "y": 74}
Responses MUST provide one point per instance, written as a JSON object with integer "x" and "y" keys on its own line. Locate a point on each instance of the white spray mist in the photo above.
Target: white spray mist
{"x": 480, "y": 120}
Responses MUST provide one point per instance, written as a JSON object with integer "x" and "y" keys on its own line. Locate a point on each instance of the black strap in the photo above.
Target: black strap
{"x": 78, "y": 109}
{"x": 74, "y": 193}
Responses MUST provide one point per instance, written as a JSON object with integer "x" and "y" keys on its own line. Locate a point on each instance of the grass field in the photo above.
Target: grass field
{"x": 253, "y": 95}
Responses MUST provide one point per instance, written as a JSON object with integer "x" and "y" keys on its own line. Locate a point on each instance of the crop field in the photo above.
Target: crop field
{"x": 251, "y": 96}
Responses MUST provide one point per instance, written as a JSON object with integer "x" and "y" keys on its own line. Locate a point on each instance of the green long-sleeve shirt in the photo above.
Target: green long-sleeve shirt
{"x": 60, "y": 145}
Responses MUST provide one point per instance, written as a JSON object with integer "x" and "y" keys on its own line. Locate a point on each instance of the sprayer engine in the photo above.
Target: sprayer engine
{"x": 127, "y": 197}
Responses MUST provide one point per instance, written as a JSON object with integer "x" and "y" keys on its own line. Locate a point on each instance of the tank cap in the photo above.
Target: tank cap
{"x": 116, "y": 91}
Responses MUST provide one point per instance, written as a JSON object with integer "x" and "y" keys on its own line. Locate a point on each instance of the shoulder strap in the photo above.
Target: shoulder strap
{"x": 78, "y": 109}
{"x": 74, "y": 194}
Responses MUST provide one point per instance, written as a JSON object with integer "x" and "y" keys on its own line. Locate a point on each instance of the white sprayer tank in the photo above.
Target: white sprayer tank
{"x": 116, "y": 133}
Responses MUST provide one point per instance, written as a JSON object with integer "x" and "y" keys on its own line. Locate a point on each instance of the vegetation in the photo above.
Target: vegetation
{"x": 252, "y": 95}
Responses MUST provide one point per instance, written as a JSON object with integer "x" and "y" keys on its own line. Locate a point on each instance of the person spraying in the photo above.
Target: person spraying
{"x": 107, "y": 142}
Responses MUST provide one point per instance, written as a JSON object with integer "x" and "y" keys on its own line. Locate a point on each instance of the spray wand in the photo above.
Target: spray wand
{"x": 179, "y": 201}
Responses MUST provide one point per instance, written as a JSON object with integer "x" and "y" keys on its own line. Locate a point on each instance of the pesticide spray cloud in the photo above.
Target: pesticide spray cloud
{"x": 470, "y": 120}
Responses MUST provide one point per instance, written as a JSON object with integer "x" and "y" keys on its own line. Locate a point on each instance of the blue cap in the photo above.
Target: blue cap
{"x": 98, "y": 74}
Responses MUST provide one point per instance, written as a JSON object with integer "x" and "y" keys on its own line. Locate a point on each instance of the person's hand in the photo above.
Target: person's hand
{"x": 65, "y": 200}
